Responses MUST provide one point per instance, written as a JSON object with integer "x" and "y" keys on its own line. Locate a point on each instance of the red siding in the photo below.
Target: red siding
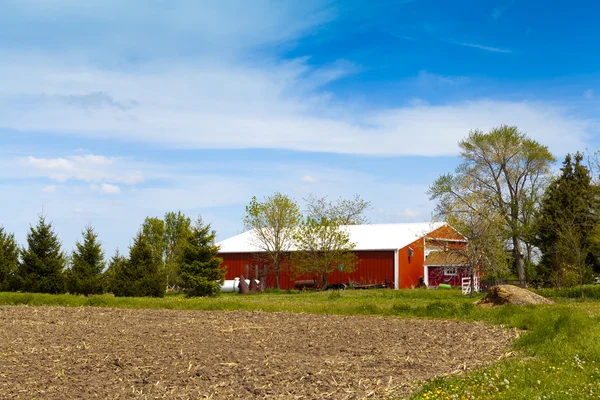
{"x": 411, "y": 268}
{"x": 374, "y": 267}
{"x": 436, "y": 276}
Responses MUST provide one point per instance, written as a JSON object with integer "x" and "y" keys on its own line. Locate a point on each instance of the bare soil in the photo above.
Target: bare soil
{"x": 87, "y": 353}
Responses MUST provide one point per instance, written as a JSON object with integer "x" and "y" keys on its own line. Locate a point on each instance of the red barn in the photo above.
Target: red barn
{"x": 396, "y": 253}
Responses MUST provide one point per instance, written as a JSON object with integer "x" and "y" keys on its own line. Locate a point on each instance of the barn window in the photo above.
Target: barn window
{"x": 450, "y": 271}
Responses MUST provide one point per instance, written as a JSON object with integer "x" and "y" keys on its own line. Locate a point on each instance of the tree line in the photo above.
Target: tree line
{"x": 520, "y": 218}
{"x": 165, "y": 253}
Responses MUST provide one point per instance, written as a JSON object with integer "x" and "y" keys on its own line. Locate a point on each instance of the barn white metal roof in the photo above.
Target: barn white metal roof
{"x": 366, "y": 237}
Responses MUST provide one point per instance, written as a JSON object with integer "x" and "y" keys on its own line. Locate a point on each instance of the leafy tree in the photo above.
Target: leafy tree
{"x": 43, "y": 262}
{"x": 87, "y": 263}
{"x": 502, "y": 169}
{"x": 344, "y": 211}
{"x": 177, "y": 229}
{"x": 143, "y": 274}
{"x": 273, "y": 221}
{"x": 9, "y": 258}
{"x": 322, "y": 247}
{"x": 568, "y": 224}
{"x": 201, "y": 270}
{"x": 486, "y": 250}
{"x": 153, "y": 230}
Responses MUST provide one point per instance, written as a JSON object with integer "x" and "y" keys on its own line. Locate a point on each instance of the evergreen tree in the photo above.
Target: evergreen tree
{"x": 568, "y": 218}
{"x": 114, "y": 272}
{"x": 201, "y": 270}
{"x": 143, "y": 274}
{"x": 87, "y": 263}
{"x": 9, "y": 258}
{"x": 43, "y": 262}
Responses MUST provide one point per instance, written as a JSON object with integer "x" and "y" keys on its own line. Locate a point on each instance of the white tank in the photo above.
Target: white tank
{"x": 233, "y": 285}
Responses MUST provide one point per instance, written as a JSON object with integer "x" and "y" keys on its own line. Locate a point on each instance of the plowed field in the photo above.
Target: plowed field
{"x": 87, "y": 353}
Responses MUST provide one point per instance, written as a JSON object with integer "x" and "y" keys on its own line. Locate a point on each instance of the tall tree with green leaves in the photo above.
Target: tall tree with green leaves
{"x": 42, "y": 265}
{"x": 143, "y": 274}
{"x": 502, "y": 169}
{"x": 201, "y": 270}
{"x": 154, "y": 231}
{"x": 273, "y": 222}
{"x": 567, "y": 226}
{"x": 177, "y": 229}
{"x": 322, "y": 246}
{"x": 9, "y": 259}
{"x": 344, "y": 211}
{"x": 87, "y": 264}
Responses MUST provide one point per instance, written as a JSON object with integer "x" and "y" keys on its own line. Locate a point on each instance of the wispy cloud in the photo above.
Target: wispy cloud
{"x": 426, "y": 77}
{"x": 87, "y": 168}
{"x": 49, "y": 189}
{"x": 309, "y": 179}
{"x": 105, "y": 188}
{"x": 482, "y": 47}
{"x": 588, "y": 94}
{"x": 239, "y": 106}
{"x": 498, "y": 12}
{"x": 95, "y": 100}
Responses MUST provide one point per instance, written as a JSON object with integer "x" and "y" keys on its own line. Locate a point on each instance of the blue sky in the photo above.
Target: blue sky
{"x": 112, "y": 111}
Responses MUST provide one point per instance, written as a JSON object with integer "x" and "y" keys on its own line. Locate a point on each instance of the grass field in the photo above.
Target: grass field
{"x": 557, "y": 356}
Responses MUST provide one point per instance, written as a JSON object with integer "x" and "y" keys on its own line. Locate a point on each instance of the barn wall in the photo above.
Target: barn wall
{"x": 410, "y": 269}
{"x": 374, "y": 267}
{"x": 436, "y": 276}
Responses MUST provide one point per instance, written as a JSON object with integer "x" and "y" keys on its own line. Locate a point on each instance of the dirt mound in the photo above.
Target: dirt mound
{"x": 79, "y": 353}
{"x": 509, "y": 294}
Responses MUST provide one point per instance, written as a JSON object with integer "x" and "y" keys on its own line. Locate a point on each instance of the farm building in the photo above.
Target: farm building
{"x": 395, "y": 254}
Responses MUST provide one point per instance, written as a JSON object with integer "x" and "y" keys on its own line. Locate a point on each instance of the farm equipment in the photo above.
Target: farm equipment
{"x": 306, "y": 284}
{"x": 355, "y": 285}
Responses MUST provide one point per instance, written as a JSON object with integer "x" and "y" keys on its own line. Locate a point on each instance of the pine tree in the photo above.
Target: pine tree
{"x": 143, "y": 274}
{"x": 87, "y": 263}
{"x": 201, "y": 270}
{"x": 114, "y": 272}
{"x": 43, "y": 262}
{"x": 9, "y": 258}
{"x": 568, "y": 217}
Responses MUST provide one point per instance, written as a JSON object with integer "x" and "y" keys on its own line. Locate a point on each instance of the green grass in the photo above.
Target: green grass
{"x": 590, "y": 292}
{"x": 558, "y": 352}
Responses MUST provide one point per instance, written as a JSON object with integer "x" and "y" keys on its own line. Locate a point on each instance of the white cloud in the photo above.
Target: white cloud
{"x": 409, "y": 213}
{"x": 309, "y": 179}
{"x": 429, "y": 78}
{"x": 273, "y": 105}
{"x": 49, "y": 189}
{"x": 588, "y": 94}
{"x": 482, "y": 47}
{"x": 105, "y": 188}
{"x": 87, "y": 168}
{"x": 223, "y": 26}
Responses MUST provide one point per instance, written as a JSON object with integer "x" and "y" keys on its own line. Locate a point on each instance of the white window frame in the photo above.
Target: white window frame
{"x": 450, "y": 271}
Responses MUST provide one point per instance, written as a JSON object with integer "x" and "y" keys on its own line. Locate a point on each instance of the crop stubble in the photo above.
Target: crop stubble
{"x": 87, "y": 352}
